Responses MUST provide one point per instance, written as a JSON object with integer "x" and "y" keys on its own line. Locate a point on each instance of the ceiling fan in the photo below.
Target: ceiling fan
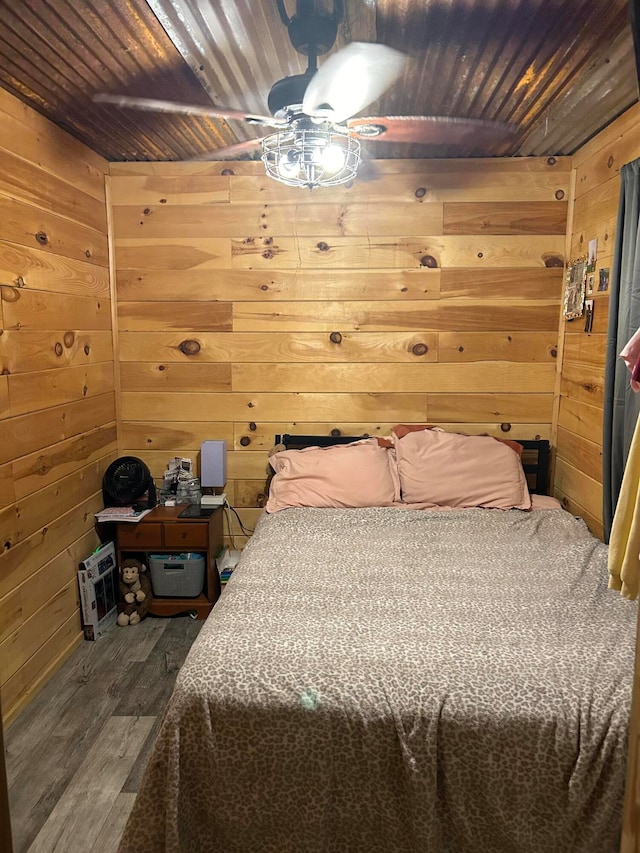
{"x": 316, "y": 140}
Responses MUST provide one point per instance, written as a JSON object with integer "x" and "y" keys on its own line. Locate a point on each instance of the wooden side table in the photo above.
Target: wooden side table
{"x": 161, "y": 531}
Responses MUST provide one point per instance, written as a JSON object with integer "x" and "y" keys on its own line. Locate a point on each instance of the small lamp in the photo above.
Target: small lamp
{"x": 213, "y": 470}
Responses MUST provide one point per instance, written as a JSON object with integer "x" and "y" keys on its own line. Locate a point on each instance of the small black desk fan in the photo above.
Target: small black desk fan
{"x": 126, "y": 482}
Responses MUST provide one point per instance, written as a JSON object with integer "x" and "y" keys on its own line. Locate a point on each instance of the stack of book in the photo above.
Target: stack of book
{"x": 225, "y": 575}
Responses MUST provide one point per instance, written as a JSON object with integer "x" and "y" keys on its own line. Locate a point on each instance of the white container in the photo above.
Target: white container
{"x": 177, "y": 575}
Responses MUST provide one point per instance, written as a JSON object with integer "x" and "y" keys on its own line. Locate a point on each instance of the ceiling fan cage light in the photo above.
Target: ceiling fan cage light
{"x": 311, "y": 157}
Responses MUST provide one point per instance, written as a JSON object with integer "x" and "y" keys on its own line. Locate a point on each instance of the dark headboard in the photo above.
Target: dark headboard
{"x": 535, "y": 456}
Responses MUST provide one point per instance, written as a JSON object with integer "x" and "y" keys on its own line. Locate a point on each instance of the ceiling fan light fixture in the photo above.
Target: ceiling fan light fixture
{"x": 311, "y": 157}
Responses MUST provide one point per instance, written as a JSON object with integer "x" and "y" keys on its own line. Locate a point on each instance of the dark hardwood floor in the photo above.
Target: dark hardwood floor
{"x": 76, "y": 754}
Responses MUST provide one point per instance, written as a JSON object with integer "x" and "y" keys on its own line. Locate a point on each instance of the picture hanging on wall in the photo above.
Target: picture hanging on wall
{"x": 575, "y": 285}
{"x": 588, "y": 315}
{"x": 603, "y": 282}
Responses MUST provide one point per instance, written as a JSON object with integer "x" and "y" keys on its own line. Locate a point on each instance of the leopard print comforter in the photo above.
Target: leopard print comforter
{"x": 385, "y": 681}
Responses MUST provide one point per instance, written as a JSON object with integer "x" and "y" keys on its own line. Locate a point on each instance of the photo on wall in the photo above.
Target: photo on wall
{"x": 603, "y": 279}
{"x": 588, "y": 315}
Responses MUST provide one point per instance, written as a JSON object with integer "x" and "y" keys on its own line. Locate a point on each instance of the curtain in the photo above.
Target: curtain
{"x": 621, "y": 404}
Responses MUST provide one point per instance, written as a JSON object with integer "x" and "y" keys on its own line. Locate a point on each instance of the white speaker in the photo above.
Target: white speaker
{"x": 213, "y": 464}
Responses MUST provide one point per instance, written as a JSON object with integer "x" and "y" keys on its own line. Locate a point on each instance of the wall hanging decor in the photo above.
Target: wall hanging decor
{"x": 574, "y": 293}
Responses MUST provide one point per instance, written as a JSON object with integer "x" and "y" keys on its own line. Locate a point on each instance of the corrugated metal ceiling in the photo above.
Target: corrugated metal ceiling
{"x": 559, "y": 71}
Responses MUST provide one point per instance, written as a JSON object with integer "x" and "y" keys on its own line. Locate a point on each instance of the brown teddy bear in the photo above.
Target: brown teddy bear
{"x": 135, "y": 589}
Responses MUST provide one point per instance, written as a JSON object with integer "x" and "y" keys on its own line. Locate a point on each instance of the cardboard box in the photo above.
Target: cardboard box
{"x": 99, "y": 590}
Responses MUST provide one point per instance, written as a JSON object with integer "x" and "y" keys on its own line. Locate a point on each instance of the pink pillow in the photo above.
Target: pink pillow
{"x": 449, "y": 469}
{"x": 344, "y": 475}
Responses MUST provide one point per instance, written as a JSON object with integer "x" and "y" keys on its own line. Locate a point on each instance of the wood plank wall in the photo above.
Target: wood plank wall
{"x": 429, "y": 292}
{"x": 578, "y": 479}
{"x": 57, "y": 400}
{"x": 578, "y": 463}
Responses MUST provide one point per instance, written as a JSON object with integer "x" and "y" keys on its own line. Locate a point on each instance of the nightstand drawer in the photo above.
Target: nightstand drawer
{"x": 192, "y": 535}
{"x": 139, "y": 535}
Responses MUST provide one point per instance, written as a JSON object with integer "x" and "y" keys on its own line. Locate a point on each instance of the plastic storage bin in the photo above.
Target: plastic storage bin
{"x": 177, "y": 575}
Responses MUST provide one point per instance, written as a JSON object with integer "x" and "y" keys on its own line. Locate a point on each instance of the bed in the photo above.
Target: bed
{"x": 387, "y": 680}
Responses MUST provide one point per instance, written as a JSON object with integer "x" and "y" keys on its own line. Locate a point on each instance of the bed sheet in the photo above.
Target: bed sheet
{"x": 384, "y": 681}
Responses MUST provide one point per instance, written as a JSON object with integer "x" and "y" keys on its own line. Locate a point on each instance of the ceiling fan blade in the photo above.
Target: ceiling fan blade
{"x": 429, "y": 130}
{"x": 230, "y": 152}
{"x": 351, "y": 79}
{"x": 153, "y": 105}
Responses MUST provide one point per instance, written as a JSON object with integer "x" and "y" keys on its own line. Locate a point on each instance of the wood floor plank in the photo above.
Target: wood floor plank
{"x": 148, "y": 684}
{"x": 110, "y": 834}
{"x": 141, "y": 645}
{"x": 134, "y": 779}
{"x": 77, "y": 820}
{"x": 84, "y": 686}
{"x": 48, "y": 745}
{"x": 149, "y": 687}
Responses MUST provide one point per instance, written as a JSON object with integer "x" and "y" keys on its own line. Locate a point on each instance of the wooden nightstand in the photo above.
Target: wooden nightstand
{"x": 163, "y": 532}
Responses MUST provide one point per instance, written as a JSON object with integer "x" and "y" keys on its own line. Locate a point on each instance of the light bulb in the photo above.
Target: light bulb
{"x": 332, "y": 158}
{"x": 288, "y": 164}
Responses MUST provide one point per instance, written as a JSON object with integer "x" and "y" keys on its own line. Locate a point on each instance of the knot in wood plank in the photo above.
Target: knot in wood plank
{"x": 189, "y": 347}
{"x": 8, "y": 293}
